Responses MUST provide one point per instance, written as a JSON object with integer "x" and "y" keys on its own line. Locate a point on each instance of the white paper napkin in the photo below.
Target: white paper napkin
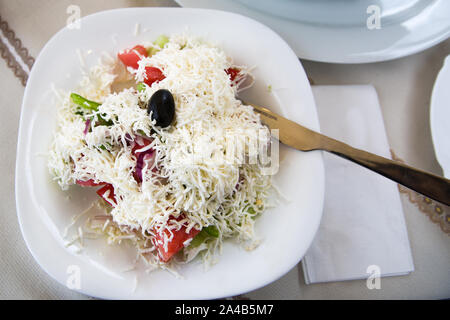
{"x": 362, "y": 231}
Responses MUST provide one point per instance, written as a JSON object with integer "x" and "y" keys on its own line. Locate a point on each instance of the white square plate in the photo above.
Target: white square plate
{"x": 44, "y": 210}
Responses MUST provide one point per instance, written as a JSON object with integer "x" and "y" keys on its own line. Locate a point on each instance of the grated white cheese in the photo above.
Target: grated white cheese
{"x": 201, "y": 170}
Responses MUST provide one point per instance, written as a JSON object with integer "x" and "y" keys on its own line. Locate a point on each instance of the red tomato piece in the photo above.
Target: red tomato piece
{"x": 152, "y": 75}
{"x": 174, "y": 245}
{"x": 89, "y": 183}
{"x": 107, "y": 193}
{"x": 130, "y": 57}
{"x": 233, "y": 73}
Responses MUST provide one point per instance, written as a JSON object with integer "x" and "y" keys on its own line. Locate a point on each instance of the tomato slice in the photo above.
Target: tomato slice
{"x": 174, "y": 245}
{"x": 130, "y": 57}
{"x": 152, "y": 75}
{"x": 89, "y": 183}
{"x": 233, "y": 73}
{"x": 107, "y": 193}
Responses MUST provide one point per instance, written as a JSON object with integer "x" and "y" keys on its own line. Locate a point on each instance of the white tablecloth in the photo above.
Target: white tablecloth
{"x": 404, "y": 88}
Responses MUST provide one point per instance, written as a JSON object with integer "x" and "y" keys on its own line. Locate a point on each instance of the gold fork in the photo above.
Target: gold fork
{"x": 304, "y": 139}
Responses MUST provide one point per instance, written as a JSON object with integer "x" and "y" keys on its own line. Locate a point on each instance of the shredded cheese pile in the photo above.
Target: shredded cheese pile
{"x": 201, "y": 167}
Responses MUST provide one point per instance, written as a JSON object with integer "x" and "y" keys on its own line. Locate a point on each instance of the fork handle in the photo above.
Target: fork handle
{"x": 430, "y": 185}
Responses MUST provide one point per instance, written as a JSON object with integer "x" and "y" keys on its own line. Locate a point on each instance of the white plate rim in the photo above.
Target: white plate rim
{"x": 437, "y": 115}
{"x": 20, "y": 187}
{"x": 297, "y": 34}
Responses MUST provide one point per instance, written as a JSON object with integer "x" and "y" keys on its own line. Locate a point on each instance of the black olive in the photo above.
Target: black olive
{"x": 162, "y": 107}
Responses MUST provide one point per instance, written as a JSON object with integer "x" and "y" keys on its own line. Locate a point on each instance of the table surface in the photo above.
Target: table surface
{"x": 404, "y": 88}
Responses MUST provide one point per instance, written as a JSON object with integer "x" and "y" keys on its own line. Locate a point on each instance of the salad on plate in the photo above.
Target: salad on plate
{"x": 159, "y": 134}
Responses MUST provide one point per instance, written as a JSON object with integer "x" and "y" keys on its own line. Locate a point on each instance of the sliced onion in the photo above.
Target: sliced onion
{"x": 143, "y": 158}
{"x": 87, "y": 126}
{"x": 144, "y": 154}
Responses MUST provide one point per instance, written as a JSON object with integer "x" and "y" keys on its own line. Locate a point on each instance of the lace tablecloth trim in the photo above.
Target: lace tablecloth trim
{"x": 14, "y": 53}
{"x": 438, "y": 213}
